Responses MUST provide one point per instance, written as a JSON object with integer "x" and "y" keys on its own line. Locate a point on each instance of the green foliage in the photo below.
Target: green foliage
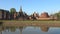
{"x": 12, "y": 10}
{"x": 58, "y": 15}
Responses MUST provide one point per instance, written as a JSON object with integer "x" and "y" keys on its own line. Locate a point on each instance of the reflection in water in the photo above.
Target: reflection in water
{"x": 21, "y": 28}
{"x": 28, "y": 30}
{"x": 0, "y": 29}
{"x": 12, "y": 29}
{"x": 44, "y": 28}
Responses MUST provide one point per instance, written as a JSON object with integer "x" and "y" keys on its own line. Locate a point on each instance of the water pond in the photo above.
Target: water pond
{"x": 29, "y": 30}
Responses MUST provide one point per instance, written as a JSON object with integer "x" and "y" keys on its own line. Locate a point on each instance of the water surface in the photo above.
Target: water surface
{"x": 30, "y": 30}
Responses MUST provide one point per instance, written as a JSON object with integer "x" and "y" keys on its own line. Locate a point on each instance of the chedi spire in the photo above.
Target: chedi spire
{"x": 20, "y": 9}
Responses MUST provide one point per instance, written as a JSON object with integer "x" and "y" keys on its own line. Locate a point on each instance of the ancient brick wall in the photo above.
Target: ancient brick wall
{"x": 0, "y": 14}
{"x": 44, "y": 15}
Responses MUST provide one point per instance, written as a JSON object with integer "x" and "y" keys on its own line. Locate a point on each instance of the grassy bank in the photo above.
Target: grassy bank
{"x": 30, "y": 21}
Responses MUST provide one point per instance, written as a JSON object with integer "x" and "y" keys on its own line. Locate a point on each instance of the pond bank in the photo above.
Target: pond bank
{"x": 32, "y": 23}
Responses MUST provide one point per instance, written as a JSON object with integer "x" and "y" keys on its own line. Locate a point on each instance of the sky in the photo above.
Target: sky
{"x": 31, "y": 6}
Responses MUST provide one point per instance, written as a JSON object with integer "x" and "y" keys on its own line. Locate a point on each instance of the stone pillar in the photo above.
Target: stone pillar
{"x": 0, "y": 14}
{"x": 4, "y": 15}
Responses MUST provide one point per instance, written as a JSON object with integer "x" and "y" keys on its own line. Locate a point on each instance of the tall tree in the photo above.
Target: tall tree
{"x": 12, "y": 10}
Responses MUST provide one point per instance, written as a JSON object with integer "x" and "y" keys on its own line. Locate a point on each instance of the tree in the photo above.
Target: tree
{"x": 12, "y": 10}
{"x": 58, "y": 15}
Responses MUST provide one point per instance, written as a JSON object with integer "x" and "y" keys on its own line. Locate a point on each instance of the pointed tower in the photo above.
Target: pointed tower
{"x": 20, "y": 9}
{"x": 21, "y": 12}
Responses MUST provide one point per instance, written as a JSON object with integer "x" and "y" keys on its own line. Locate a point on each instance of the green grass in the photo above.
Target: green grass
{"x": 30, "y": 21}
{"x": 19, "y": 23}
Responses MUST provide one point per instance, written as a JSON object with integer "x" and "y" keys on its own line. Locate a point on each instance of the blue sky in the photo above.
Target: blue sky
{"x": 30, "y": 6}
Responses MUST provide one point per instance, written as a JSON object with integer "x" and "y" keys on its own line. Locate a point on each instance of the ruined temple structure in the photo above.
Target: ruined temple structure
{"x": 22, "y": 15}
{"x": 15, "y": 15}
{"x": 4, "y": 14}
{"x": 44, "y": 15}
{"x": 33, "y": 16}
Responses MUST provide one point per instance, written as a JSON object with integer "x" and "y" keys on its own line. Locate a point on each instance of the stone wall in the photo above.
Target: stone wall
{"x": 4, "y": 14}
{"x": 0, "y": 15}
{"x": 44, "y": 15}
